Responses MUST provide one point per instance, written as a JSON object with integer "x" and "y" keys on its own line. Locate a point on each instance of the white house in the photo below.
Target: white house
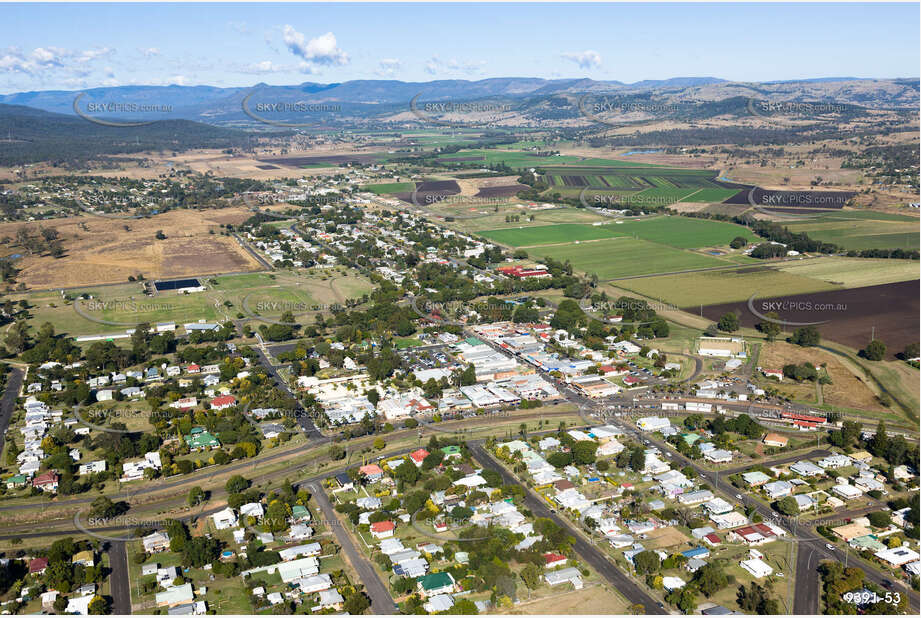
{"x": 224, "y": 519}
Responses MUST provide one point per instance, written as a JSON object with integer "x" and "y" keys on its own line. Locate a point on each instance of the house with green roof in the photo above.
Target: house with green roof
{"x": 690, "y": 438}
{"x": 300, "y": 513}
{"x": 473, "y": 341}
{"x": 18, "y": 480}
{"x": 199, "y": 439}
{"x": 451, "y": 451}
{"x": 436, "y": 583}
{"x": 869, "y": 542}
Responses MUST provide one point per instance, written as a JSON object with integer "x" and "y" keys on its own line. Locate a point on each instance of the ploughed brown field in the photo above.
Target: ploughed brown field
{"x": 430, "y": 192}
{"x": 101, "y": 250}
{"x": 501, "y": 191}
{"x": 888, "y": 312}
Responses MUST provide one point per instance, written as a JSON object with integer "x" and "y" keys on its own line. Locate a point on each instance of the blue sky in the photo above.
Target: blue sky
{"x": 46, "y": 47}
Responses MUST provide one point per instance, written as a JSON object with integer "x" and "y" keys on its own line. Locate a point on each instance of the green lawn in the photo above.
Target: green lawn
{"x": 625, "y": 257}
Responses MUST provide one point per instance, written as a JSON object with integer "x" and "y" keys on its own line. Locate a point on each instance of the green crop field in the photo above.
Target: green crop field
{"x": 626, "y": 257}
{"x": 854, "y": 272}
{"x": 522, "y": 160}
{"x": 549, "y": 234}
{"x": 683, "y": 232}
{"x": 861, "y": 230}
{"x": 390, "y": 187}
{"x": 723, "y": 286}
{"x": 710, "y": 195}
{"x": 657, "y": 186}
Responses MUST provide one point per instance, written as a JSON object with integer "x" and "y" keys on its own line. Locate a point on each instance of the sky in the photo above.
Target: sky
{"x": 78, "y": 46}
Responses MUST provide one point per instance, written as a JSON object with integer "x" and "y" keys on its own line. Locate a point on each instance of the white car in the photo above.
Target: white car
{"x": 829, "y": 547}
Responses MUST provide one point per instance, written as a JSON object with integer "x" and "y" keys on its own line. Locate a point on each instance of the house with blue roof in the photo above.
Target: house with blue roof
{"x": 697, "y": 552}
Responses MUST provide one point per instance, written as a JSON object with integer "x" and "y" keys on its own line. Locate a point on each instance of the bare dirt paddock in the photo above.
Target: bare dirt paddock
{"x": 101, "y": 250}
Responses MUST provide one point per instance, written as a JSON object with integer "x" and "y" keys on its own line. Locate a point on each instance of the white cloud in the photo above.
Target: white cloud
{"x": 388, "y": 67}
{"x": 149, "y": 52}
{"x": 587, "y": 60}
{"x": 44, "y": 59}
{"x": 435, "y": 66}
{"x": 322, "y": 50}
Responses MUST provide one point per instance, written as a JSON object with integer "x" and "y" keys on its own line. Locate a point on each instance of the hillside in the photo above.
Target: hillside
{"x": 28, "y": 135}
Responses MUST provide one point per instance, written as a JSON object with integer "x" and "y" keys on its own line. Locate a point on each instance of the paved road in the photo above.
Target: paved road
{"x": 381, "y": 602}
{"x": 591, "y": 554}
{"x": 306, "y": 423}
{"x": 819, "y": 452}
{"x": 119, "y": 583}
{"x": 8, "y": 403}
{"x": 811, "y": 545}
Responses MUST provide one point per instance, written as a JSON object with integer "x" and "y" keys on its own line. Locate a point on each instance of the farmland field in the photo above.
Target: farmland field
{"x": 549, "y": 234}
{"x": 852, "y": 316}
{"x": 854, "y": 272}
{"x": 521, "y": 160}
{"x": 193, "y": 245}
{"x": 722, "y": 286}
{"x": 861, "y": 230}
{"x": 390, "y": 187}
{"x": 626, "y": 257}
{"x": 683, "y": 232}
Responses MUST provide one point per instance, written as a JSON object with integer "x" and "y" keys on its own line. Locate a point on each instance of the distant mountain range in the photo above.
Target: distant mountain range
{"x": 384, "y": 98}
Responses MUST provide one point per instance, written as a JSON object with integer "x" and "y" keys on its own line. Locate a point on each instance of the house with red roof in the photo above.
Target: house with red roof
{"x": 37, "y": 566}
{"x": 372, "y": 472}
{"x": 223, "y": 402}
{"x": 552, "y": 560}
{"x": 630, "y": 380}
{"x": 47, "y": 481}
{"x": 712, "y": 539}
{"x": 193, "y": 368}
{"x": 419, "y": 456}
{"x": 382, "y": 529}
